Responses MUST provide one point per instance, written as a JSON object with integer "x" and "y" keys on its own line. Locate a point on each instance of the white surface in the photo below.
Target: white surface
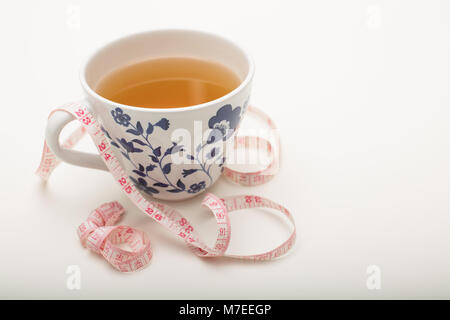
{"x": 360, "y": 90}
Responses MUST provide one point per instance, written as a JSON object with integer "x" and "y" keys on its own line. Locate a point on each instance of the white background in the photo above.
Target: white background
{"x": 360, "y": 91}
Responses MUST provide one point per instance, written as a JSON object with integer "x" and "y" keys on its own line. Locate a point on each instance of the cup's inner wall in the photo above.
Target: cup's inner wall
{"x": 166, "y": 43}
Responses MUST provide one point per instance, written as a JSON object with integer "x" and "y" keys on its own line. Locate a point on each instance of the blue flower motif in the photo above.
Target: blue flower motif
{"x": 225, "y": 121}
{"x": 163, "y": 124}
{"x": 121, "y": 118}
{"x": 197, "y": 187}
{"x": 187, "y": 172}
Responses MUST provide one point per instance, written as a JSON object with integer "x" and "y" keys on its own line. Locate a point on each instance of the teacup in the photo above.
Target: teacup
{"x": 157, "y": 161}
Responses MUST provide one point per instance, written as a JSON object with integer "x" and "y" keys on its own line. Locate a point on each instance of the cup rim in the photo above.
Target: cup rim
{"x": 242, "y": 85}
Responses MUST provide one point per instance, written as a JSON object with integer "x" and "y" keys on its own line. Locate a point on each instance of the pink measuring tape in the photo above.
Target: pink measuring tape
{"x": 99, "y": 233}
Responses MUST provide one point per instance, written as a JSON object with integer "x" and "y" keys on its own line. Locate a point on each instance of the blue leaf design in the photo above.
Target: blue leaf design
{"x": 106, "y": 133}
{"x": 139, "y": 173}
{"x": 151, "y": 190}
{"x": 169, "y": 150}
{"x": 139, "y": 142}
{"x": 211, "y": 139}
{"x": 132, "y": 131}
{"x": 142, "y": 182}
{"x": 187, "y": 172}
{"x": 190, "y": 157}
{"x": 166, "y": 168}
{"x": 212, "y": 154}
{"x": 160, "y": 184}
{"x": 222, "y": 162}
{"x": 180, "y": 184}
{"x": 141, "y": 167}
{"x": 126, "y": 155}
{"x": 150, "y": 128}
{"x": 215, "y": 135}
{"x": 154, "y": 159}
{"x": 125, "y": 144}
{"x": 176, "y": 148}
{"x": 150, "y": 167}
{"x": 115, "y": 144}
{"x": 139, "y": 127}
{"x": 157, "y": 151}
{"x": 174, "y": 190}
{"x": 128, "y": 146}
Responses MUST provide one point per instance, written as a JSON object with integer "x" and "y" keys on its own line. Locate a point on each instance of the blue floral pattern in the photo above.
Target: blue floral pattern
{"x": 222, "y": 125}
{"x": 121, "y": 118}
{"x": 225, "y": 122}
{"x": 197, "y": 187}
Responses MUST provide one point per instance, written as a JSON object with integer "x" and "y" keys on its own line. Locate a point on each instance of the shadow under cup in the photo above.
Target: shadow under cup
{"x": 173, "y": 153}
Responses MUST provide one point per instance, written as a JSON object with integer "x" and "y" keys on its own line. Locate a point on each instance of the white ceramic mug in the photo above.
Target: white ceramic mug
{"x": 143, "y": 137}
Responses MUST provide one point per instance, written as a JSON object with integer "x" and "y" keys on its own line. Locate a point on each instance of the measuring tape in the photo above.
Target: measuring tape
{"x": 99, "y": 234}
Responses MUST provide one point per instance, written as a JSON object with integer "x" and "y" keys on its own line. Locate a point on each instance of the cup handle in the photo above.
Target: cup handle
{"x": 56, "y": 122}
